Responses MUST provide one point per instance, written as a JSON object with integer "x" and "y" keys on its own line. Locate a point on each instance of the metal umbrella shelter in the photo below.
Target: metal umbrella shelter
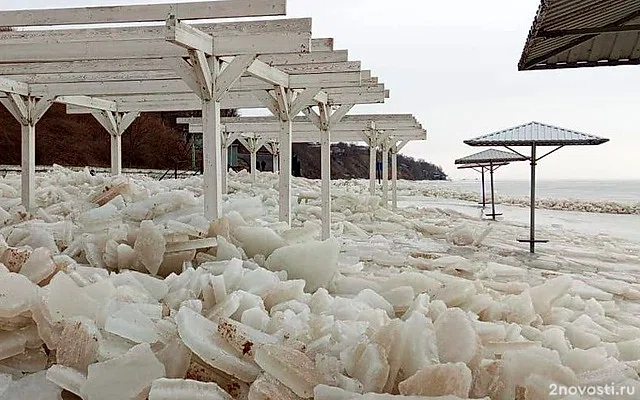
{"x": 583, "y": 33}
{"x": 488, "y": 160}
{"x": 534, "y": 135}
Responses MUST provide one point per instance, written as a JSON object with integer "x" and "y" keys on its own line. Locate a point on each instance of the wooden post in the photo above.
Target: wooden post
{"x": 28, "y": 165}
{"x": 372, "y": 164}
{"x": 211, "y": 154}
{"x": 254, "y": 163}
{"x": 385, "y": 175}
{"x": 394, "y": 179}
{"x": 115, "y": 124}
{"x": 28, "y": 111}
{"x": 484, "y": 197}
{"x": 116, "y": 154}
{"x": 284, "y": 179}
{"x": 225, "y": 166}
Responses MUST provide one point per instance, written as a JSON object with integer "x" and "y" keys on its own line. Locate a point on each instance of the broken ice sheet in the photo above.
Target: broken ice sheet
{"x": 125, "y": 377}
{"x": 200, "y": 335}
{"x": 186, "y": 389}
{"x": 16, "y": 294}
{"x": 291, "y": 367}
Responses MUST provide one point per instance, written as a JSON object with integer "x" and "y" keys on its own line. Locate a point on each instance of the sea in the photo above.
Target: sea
{"x": 622, "y": 226}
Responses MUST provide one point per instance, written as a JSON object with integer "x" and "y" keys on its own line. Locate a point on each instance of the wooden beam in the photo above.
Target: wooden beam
{"x": 313, "y": 116}
{"x": 188, "y": 37}
{"x": 143, "y": 13}
{"x": 11, "y": 86}
{"x": 187, "y": 73}
{"x": 232, "y": 73}
{"x": 88, "y": 102}
{"x": 339, "y": 114}
{"x": 267, "y": 101}
{"x": 302, "y": 100}
{"x": 202, "y": 74}
{"x": 281, "y": 96}
{"x": 268, "y": 74}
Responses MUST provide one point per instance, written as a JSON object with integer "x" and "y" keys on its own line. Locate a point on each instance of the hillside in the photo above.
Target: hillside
{"x": 154, "y": 141}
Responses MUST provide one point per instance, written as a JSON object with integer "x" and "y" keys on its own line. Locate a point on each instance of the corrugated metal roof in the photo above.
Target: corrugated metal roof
{"x": 535, "y": 132}
{"x": 583, "y": 33}
{"x": 490, "y": 156}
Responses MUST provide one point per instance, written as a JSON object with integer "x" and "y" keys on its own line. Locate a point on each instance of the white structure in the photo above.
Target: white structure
{"x": 133, "y": 69}
{"x": 389, "y": 132}
{"x": 116, "y": 73}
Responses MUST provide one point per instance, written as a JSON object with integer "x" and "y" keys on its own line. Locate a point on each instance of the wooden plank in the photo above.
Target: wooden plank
{"x": 305, "y": 58}
{"x": 143, "y": 13}
{"x": 188, "y": 101}
{"x": 11, "y": 86}
{"x": 232, "y": 73}
{"x": 148, "y": 48}
{"x": 187, "y": 36}
{"x": 203, "y": 74}
{"x": 323, "y": 44}
{"x": 220, "y": 31}
{"x": 302, "y": 100}
{"x": 268, "y": 74}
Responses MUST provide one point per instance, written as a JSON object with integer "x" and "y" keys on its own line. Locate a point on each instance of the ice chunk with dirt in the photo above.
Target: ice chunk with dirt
{"x": 243, "y": 338}
{"x": 78, "y": 345}
{"x": 39, "y": 266}
{"x": 314, "y": 262}
{"x": 201, "y": 336}
{"x": 439, "y": 380}
{"x": 126, "y": 377}
{"x": 291, "y": 367}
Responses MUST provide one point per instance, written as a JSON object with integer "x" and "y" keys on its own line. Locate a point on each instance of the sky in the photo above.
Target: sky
{"x": 453, "y": 64}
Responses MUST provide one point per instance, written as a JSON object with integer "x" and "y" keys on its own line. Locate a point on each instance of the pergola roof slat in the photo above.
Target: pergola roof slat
{"x": 143, "y": 13}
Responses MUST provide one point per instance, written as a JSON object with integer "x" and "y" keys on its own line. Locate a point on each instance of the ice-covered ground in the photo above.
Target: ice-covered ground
{"x": 125, "y": 300}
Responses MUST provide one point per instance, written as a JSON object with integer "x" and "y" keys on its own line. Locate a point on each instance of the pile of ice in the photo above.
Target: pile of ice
{"x": 119, "y": 289}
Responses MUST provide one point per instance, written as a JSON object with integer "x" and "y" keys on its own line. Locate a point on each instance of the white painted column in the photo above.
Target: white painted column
{"x": 28, "y": 166}
{"x": 225, "y": 166}
{"x": 372, "y": 167}
{"x": 394, "y": 179}
{"x": 212, "y": 163}
{"x": 285, "y": 171}
{"x": 116, "y": 153}
{"x": 254, "y": 159}
{"x": 276, "y": 161}
{"x": 325, "y": 157}
{"x": 385, "y": 175}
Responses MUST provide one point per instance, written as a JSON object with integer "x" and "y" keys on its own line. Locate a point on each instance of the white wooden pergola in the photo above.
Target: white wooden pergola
{"x": 116, "y": 73}
{"x": 389, "y": 132}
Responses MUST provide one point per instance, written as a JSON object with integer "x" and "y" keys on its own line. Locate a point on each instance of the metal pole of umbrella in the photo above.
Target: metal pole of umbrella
{"x": 493, "y": 203}
{"x": 532, "y": 233}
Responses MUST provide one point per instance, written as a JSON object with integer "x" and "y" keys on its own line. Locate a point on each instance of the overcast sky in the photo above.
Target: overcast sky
{"x": 453, "y": 64}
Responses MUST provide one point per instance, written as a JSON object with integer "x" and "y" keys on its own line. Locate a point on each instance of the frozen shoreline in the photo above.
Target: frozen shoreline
{"x": 428, "y": 300}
